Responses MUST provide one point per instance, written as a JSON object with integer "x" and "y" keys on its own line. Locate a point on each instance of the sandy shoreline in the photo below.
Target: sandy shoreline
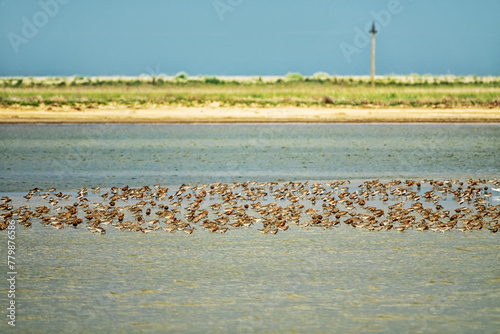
{"x": 215, "y": 114}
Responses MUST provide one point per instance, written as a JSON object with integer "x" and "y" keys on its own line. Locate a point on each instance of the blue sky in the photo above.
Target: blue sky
{"x": 247, "y": 37}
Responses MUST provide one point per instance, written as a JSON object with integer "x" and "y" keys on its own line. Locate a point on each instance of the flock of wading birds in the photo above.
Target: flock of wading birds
{"x": 269, "y": 207}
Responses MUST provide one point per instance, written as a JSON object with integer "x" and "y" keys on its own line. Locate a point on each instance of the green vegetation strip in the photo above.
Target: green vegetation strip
{"x": 292, "y": 90}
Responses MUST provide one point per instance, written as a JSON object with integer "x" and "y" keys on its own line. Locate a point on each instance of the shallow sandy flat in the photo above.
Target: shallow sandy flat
{"x": 215, "y": 114}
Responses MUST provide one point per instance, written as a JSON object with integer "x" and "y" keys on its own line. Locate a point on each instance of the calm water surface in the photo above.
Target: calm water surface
{"x": 303, "y": 280}
{"x": 71, "y": 156}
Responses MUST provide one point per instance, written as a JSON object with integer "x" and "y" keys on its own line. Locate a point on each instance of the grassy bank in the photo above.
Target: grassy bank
{"x": 292, "y": 90}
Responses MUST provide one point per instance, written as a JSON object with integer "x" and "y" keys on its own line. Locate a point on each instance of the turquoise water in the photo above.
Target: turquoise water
{"x": 344, "y": 279}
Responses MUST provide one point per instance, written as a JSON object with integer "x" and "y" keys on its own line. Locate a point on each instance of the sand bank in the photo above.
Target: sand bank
{"x": 215, "y": 114}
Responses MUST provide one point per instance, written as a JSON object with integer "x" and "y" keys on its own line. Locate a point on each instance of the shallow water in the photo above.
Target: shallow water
{"x": 302, "y": 280}
{"x": 71, "y": 156}
{"x": 321, "y": 281}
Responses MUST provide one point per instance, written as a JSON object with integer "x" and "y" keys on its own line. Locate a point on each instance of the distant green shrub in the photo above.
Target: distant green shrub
{"x": 294, "y": 77}
{"x": 181, "y": 76}
{"x": 213, "y": 80}
{"x": 134, "y": 83}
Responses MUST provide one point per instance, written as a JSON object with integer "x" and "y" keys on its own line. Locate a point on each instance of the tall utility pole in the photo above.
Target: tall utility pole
{"x": 373, "y": 32}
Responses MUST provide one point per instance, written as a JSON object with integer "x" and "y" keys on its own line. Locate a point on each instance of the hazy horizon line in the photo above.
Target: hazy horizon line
{"x": 317, "y": 74}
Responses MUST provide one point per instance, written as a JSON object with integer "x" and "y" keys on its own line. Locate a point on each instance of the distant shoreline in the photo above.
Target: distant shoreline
{"x": 165, "y": 114}
{"x": 292, "y": 91}
{"x": 320, "y": 76}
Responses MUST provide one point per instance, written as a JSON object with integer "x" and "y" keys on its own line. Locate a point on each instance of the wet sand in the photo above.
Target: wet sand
{"x": 216, "y": 114}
